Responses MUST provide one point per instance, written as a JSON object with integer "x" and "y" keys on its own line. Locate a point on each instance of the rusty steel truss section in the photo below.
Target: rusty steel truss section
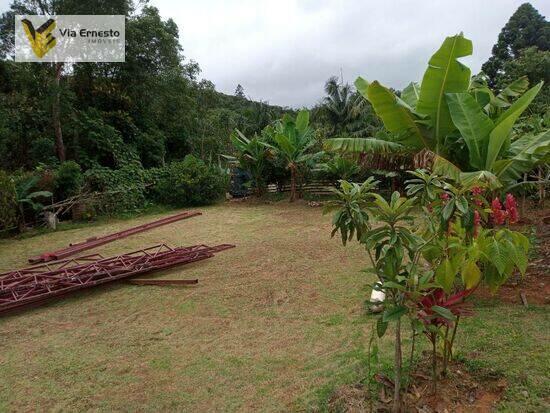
{"x": 33, "y": 285}
{"x": 94, "y": 242}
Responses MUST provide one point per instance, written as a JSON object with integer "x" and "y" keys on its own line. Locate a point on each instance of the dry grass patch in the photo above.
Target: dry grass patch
{"x": 266, "y": 326}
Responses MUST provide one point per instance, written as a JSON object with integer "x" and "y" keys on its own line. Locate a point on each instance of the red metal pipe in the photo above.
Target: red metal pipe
{"x": 29, "y": 286}
{"x": 94, "y": 242}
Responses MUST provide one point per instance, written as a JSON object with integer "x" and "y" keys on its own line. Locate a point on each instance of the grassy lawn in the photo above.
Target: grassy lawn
{"x": 274, "y": 325}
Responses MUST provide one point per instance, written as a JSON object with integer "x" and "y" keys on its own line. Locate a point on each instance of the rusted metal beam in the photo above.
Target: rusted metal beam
{"x": 33, "y": 285}
{"x": 164, "y": 282}
{"x": 94, "y": 242}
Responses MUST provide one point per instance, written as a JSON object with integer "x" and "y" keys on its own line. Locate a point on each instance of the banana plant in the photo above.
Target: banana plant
{"x": 294, "y": 142}
{"x": 252, "y": 155}
{"x": 339, "y": 168}
{"x": 449, "y": 106}
{"x": 25, "y": 197}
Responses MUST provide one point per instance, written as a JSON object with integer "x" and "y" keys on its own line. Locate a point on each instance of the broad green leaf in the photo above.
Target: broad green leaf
{"x": 443, "y": 312}
{"x": 39, "y": 194}
{"x": 445, "y": 275}
{"x": 462, "y": 204}
{"x": 394, "y": 285}
{"x": 515, "y": 89}
{"x": 516, "y": 255}
{"x": 448, "y": 210}
{"x": 381, "y": 327}
{"x": 445, "y": 74}
{"x": 397, "y": 119}
{"x": 393, "y": 313}
{"x": 284, "y": 143}
{"x": 471, "y": 274}
{"x": 410, "y": 94}
{"x": 474, "y": 125}
{"x": 525, "y": 153}
{"x": 443, "y": 167}
{"x": 503, "y": 126}
{"x": 302, "y": 120}
{"x": 362, "y": 145}
{"x": 362, "y": 86}
{"x": 498, "y": 255}
{"x": 479, "y": 178}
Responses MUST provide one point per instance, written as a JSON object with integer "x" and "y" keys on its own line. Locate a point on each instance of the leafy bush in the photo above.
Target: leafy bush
{"x": 8, "y": 202}
{"x": 429, "y": 263}
{"x": 29, "y": 197}
{"x": 122, "y": 189}
{"x": 151, "y": 148}
{"x": 339, "y": 168}
{"x": 189, "y": 182}
{"x": 68, "y": 180}
{"x": 101, "y": 144}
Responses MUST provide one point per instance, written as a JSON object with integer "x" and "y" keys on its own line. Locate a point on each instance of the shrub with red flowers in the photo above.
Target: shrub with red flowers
{"x": 509, "y": 213}
{"x": 428, "y": 264}
{"x": 498, "y": 215}
{"x": 511, "y": 209}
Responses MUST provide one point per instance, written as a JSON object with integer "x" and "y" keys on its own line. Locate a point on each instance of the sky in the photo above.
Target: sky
{"x": 283, "y": 51}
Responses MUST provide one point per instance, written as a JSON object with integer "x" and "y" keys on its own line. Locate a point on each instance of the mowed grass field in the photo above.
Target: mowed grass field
{"x": 273, "y": 325}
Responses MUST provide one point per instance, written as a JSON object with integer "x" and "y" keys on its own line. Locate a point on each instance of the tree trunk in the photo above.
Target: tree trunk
{"x": 292, "y": 183}
{"x": 56, "y": 115}
{"x": 434, "y": 364}
{"x": 397, "y": 361}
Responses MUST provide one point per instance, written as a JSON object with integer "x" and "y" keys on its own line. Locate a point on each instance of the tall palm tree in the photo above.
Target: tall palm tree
{"x": 338, "y": 104}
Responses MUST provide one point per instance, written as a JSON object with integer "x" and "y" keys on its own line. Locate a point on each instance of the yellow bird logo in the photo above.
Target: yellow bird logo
{"x": 41, "y": 39}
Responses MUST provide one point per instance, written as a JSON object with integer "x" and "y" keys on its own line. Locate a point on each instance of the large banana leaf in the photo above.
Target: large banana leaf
{"x": 445, "y": 74}
{"x": 443, "y": 167}
{"x": 473, "y": 124}
{"x": 503, "y": 125}
{"x": 362, "y": 145}
{"x": 284, "y": 144}
{"x": 524, "y": 153}
{"x": 302, "y": 120}
{"x": 396, "y": 117}
{"x": 514, "y": 89}
{"x": 410, "y": 94}
{"x": 502, "y": 100}
{"x": 362, "y": 86}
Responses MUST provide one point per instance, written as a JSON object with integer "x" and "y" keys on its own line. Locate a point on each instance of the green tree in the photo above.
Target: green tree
{"x": 526, "y": 28}
{"x": 252, "y": 155}
{"x": 294, "y": 143}
{"x": 535, "y": 64}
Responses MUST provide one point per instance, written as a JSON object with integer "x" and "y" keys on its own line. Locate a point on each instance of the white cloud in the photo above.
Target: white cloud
{"x": 283, "y": 51}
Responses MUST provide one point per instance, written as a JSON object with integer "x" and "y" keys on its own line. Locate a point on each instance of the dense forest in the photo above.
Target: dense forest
{"x": 142, "y": 128}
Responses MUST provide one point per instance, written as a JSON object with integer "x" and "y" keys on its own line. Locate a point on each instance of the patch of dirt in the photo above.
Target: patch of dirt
{"x": 460, "y": 391}
{"x": 534, "y": 288}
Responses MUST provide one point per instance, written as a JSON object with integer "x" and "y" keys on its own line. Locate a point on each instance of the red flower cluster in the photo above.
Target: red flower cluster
{"x": 476, "y": 190}
{"x": 511, "y": 208}
{"x": 498, "y": 215}
{"x": 510, "y": 213}
{"x": 444, "y": 196}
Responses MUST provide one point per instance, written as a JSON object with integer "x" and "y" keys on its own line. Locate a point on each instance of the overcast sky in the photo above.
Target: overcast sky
{"x": 282, "y": 51}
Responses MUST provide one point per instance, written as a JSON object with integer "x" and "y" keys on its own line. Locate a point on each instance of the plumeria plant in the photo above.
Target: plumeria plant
{"x": 429, "y": 250}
